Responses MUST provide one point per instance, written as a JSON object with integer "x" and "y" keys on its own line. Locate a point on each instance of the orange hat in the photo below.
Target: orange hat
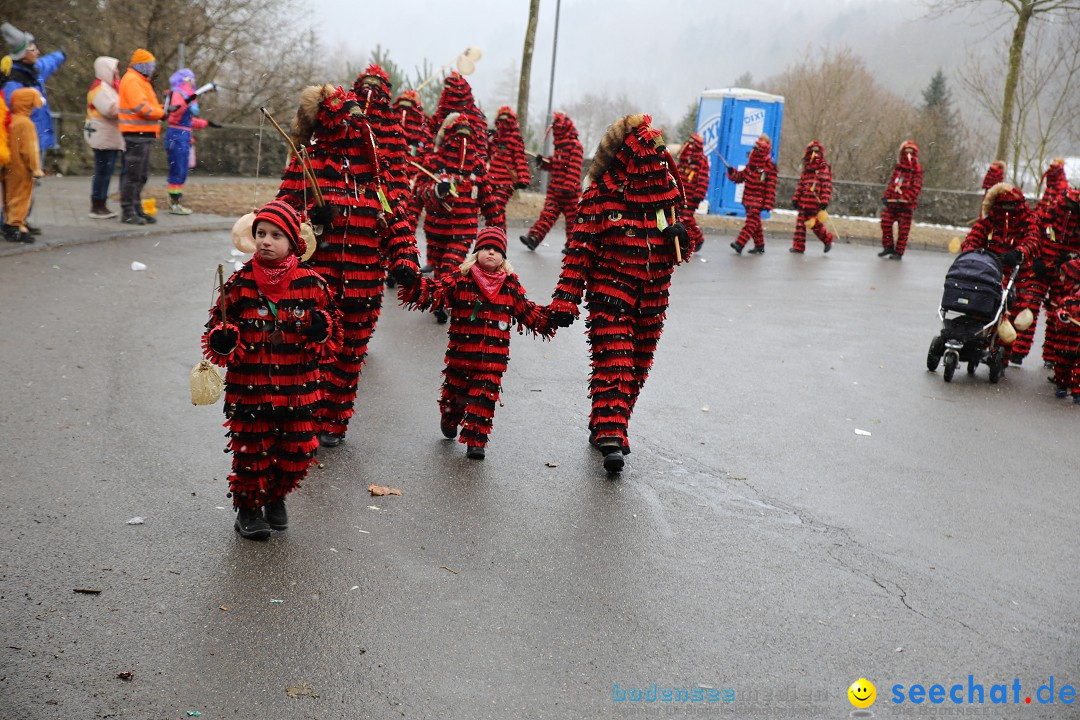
{"x": 142, "y": 56}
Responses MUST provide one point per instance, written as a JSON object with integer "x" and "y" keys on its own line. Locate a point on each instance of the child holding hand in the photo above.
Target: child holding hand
{"x": 274, "y": 325}
{"x": 483, "y": 298}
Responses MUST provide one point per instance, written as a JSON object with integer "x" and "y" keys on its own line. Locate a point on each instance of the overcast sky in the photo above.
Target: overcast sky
{"x": 661, "y": 54}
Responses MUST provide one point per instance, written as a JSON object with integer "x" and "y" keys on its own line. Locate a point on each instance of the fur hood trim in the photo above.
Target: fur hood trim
{"x": 311, "y": 100}
{"x": 612, "y": 141}
{"x": 1001, "y": 191}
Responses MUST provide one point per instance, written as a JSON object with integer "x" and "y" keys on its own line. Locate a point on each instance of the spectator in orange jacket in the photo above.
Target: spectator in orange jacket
{"x": 139, "y": 117}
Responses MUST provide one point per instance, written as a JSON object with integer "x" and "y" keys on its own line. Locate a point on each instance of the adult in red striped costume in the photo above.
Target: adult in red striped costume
{"x": 759, "y": 193}
{"x": 453, "y": 201}
{"x": 624, "y": 246}
{"x": 564, "y": 181}
{"x": 361, "y": 234}
{"x": 694, "y": 173}
{"x": 1060, "y": 223}
{"x": 901, "y": 198}
{"x": 457, "y": 97}
{"x": 1065, "y": 314}
{"x": 276, "y": 324}
{"x": 1054, "y": 183}
{"x": 484, "y": 299}
{"x": 413, "y": 119}
{"x": 812, "y": 195}
{"x": 508, "y": 168}
{"x": 1008, "y": 229}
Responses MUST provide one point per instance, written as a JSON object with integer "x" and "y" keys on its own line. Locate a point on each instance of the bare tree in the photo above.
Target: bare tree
{"x": 830, "y": 96}
{"x": 1025, "y": 11}
{"x": 526, "y": 65}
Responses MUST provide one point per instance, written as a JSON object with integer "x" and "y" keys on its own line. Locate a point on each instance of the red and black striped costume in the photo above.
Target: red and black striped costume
{"x": 812, "y": 195}
{"x": 414, "y": 121}
{"x": 1060, "y": 223}
{"x": 372, "y": 90}
{"x": 508, "y": 168}
{"x": 362, "y": 239}
{"x": 759, "y": 191}
{"x": 457, "y": 97}
{"x": 994, "y": 175}
{"x": 621, "y": 261}
{"x": 451, "y": 219}
{"x": 1007, "y": 223}
{"x": 694, "y": 173}
{"x": 479, "y": 346}
{"x": 901, "y": 197}
{"x": 1054, "y": 184}
{"x": 564, "y": 181}
{"x": 1062, "y": 312}
{"x": 272, "y": 387}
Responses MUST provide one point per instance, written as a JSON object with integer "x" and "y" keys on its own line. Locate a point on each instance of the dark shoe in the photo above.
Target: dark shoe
{"x": 475, "y": 452}
{"x": 440, "y": 316}
{"x": 614, "y": 461}
{"x": 885, "y": 253}
{"x": 21, "y": 237}
{"x": 449, "y": 431}
{"x": 796, "y": 250}
{"x": 1076, "y": 399}
{"x": 737, "y": 248}
{"x": 828, "y": 247}
{"x": 1016, "y": 359}
{"x": 10, "y": 231}
{"x": 251, "y": 524}
{"x": 1061, "y": 392}
{"x": 329, "y": 439}
{"x": 133, "y": 220}
{"x": 896, "y": 256}
{"x": 529, "y": 242}
{"x": 756, "y": 250}
{"x": 33, "y": 230}
{"x": 1048, "y": 365}
{"x": 148, "y": 219}
{"x": 276, "y": 516}
{"x": 98, "y": 211}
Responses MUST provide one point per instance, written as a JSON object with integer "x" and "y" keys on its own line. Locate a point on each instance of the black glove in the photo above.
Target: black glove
{"x": 823, "y": 206}
{"x": 322, "y": 215}
{"x": 677, "y": 231}
{"x": 562, "y": 318}
{"x": 190, "y": 98}
{"x": 223, "y": 340}
{"x": 317, "y": 329}
{"x": 1040, "y": 268}
{"x": 539, "y": 160}
{"x": 1012, "y": 258}
{"x": 442, "y": 189}
{"x": 211, "y": 123}
{"x": 521, "y": 185}
{"x": 404, "y": 275}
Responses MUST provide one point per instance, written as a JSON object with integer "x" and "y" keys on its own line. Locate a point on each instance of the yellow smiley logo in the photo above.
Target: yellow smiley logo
{"x": 862, "y": 693}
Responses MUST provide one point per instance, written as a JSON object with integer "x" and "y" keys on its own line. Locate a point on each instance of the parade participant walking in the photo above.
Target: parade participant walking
{"x": 1008, "y": 229}
{"x": 484, "y": 298}
{"x": 564, "y": 182}
{"x": 414, "y": 121}
{"x": 759, "y": 194}
{"x": 457, "y": 97}
{"x": 452, "y": 193}
{"x": 372, "y": 90}
{"x": 102, "y": 132}
{"x": 1060, "y": 225}
{"x": 1064, "y": 316}
{"x": 901, "y": 198}
{"x": 1054, "y": 183}
{"x": 812, "y": 195}
{"x": 24, "y": 165}
{"x": 508, "y": 169}
{"x": 994, "y": 175}
{"x": 183, "y": 118}
{"x": 621, "y": 257}
{"x": 694, "y": 173}
{"x": 360, "y": 235}
{"x": 140, "y": 113}
{"x": 272, "y": 327}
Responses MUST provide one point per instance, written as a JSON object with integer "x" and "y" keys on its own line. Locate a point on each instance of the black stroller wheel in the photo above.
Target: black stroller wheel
{"x": 972, "y": 367}
{"x": 933, "y": 355}
{"x": 997, "y": 365}
{"x": 951, "y": 361}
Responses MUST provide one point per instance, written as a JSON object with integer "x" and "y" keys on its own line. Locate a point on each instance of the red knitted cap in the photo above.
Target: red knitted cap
{"x": 283, "y": 215}
{"x": 493, "y": 237}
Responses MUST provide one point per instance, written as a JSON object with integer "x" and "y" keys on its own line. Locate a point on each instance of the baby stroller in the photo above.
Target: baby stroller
{"x": 972, "y": 306}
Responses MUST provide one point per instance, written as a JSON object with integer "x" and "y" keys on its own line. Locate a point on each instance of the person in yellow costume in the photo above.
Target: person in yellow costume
{"x": 24, "y": 165}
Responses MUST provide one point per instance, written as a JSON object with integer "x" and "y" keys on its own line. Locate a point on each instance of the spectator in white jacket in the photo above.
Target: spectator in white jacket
{"x": 102, "y": 132}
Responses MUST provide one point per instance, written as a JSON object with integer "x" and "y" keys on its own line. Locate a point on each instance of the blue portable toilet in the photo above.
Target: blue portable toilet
{"x": 730, "y": 120}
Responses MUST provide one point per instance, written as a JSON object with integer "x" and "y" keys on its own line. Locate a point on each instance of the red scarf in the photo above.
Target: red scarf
{"x": 489, "y": 282}
{"x": 273, "y": 276}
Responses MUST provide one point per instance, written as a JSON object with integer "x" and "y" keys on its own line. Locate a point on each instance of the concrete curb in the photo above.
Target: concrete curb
{"x": 68, "y": 236}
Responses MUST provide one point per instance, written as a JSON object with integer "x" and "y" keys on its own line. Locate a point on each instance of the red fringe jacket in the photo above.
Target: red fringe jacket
{"x": 565, "y": 164}
{"x": 694, "y": 171}
{"x": 815, "y": 184}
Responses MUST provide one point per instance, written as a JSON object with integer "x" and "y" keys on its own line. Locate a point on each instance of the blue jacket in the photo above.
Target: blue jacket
{"x": 35, "y": 76}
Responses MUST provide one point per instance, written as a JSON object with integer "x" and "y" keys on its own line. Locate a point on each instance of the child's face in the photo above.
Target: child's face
{"x": 271, "y": 242}
{"x": 489, "y": 259}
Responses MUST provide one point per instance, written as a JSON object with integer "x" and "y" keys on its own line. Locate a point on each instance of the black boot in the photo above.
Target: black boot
{"x": 276, "y": 516}
{"x": 449, "y": 431}
{"x": 251, "y": 524}
{"x": 475, "y": 452}
{"x": 612, "y": 449}
{"x": 885, "y": 253}
{"x": 440, "y": 316}
{"x": 329, "y": 439}
{"x": 756, "y": 250}
{"x": 737, "y": 247}
{"x": 529, "y": 242}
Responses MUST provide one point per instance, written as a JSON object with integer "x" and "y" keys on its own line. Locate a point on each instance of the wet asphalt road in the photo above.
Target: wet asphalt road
{"x": 754, "y": 542}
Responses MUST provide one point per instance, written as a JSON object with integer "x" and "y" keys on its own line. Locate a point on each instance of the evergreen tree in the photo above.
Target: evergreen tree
{"x": 945, "y": 149}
